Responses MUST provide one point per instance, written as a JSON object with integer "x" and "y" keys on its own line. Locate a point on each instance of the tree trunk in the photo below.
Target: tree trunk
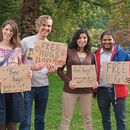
{"x": 29, "y": 13}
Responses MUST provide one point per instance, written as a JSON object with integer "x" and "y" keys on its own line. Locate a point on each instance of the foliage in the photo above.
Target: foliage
{"x": 29, "y": 13}
{"x": 9, "y": 9}
{"x": 63, "y": 26}
{"x": 75, "y": 14}
{"x": 53, "y": 113}
{"x": 120, "y": 16}
{"x": 123, "y": 37}
{"x": 68, "y": 16}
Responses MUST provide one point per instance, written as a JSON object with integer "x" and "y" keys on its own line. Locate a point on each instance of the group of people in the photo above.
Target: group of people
{"x": 17, "y": 107}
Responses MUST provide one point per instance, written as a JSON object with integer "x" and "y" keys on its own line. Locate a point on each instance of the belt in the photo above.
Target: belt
{"x": 109, "y": 89}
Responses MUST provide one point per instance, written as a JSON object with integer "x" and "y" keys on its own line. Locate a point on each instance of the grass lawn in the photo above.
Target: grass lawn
{"x": 53, "y": 113}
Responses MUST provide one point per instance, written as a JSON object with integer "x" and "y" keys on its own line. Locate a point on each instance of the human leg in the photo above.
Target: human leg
{"x": 11, "y": 126}
{"x": 2, "y": 112}
{"x": 14, "y": 108}
{"x": 104, "y": 102}
{"x": 2, "y": 127}
{"x": 120, "y": 113}
{"x": 41, "y": 99}
{"x": 26, "y": 123}
{"x": 85, "y": 101}
{"x": 68, "y": 104}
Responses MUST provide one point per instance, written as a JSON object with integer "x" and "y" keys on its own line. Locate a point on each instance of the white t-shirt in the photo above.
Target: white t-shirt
{"x": 105, "y": 57}
{"x": 39, "y": 78}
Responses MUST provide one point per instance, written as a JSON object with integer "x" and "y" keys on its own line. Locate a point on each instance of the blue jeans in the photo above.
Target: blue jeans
{"x": 105, "y": 98}
{"x": 40, "y": 96}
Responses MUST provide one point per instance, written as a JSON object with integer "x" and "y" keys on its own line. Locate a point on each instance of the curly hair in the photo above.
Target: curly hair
{"x": 40, "y": 20}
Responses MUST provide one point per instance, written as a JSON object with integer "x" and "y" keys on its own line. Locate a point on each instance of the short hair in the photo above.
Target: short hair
{"x": 40, "y": 20}
{"x": 106, "y": 33}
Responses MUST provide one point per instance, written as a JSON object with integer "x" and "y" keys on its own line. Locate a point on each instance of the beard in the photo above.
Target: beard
{"x": 107, "y": 47}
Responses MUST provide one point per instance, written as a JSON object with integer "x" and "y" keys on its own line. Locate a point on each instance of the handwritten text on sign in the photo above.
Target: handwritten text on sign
{"x": 15, "y": 79}
{"x": 50, "y": 52}
{"x": 116, "y": 72}
{"x": 84, "y": 76}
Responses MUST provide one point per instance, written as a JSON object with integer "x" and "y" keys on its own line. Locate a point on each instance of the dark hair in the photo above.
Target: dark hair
{"x": 73, "y": 43}
{"x": 106, "y": 33}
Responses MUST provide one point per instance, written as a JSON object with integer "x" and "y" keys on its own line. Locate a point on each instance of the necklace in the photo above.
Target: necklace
{"x": 80, "y": 50}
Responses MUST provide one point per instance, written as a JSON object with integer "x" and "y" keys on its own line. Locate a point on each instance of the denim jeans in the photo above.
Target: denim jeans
{"x": 105, "y": 98}
{"x": 2, "y": 109}
{"x": 40, "y": 96}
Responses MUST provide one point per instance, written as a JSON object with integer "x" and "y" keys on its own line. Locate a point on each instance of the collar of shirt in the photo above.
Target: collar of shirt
{"x": 102, "y": 51}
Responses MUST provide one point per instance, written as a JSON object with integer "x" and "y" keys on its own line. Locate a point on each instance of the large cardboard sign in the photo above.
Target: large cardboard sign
{"x": 116, "y": 72}
{"x": 84, "y": 76}
{"x": 50, "y": 52}
{"x": 15, "y": 79}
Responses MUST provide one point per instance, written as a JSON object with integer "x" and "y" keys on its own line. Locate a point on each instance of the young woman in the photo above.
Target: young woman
{"x": 78, "y": 54}
{"x": 11, "y": 104}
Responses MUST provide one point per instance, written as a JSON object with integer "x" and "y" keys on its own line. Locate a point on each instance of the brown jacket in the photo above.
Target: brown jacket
{"x": 73, "y": 59}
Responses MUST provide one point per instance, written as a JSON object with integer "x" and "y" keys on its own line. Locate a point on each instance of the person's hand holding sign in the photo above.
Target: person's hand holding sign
{"x": 96, "y": 86}
{"x": 128, "y": 80}
{"x": 51, "y": 68}
{"x": 30, "y": 74}
{"x": 72, "y": 85}
{"x": 37, "y": 66}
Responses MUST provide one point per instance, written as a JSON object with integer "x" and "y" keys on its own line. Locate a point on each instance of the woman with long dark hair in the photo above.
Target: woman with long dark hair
{"x": 79, "y": 53}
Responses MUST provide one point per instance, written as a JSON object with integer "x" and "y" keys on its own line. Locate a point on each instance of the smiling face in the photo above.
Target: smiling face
{"x": 82, "y": 41}
{"x": 44, "y": 28}
{"x": 8, "y": 32}
{"x": 107, "y": 42}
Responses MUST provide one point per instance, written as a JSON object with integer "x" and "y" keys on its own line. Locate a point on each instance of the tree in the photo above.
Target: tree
{"x": 9, "y": 9}
{"x": 120, "y": 16}
{"x": 123, "y": 37}
{"x": 29, "y": 12}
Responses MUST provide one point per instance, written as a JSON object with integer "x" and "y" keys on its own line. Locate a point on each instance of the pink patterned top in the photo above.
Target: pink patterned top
{"x": 14, "y": 59}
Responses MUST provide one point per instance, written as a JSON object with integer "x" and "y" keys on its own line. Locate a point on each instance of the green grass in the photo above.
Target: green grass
{"x": 53, "y": 113}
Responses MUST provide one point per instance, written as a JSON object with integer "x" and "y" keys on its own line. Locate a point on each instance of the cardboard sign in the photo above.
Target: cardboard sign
{"x": 15, "y": 79}
{"x": 116, "y": 72}
{"x": 84, "y": 76}
{"x": 50, "y": 52}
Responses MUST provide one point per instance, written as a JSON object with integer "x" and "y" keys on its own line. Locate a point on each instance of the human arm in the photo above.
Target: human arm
{"x": 61, "y": 73}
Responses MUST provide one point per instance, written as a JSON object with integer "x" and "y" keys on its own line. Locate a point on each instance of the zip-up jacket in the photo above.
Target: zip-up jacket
{"x": 118, "y": 55}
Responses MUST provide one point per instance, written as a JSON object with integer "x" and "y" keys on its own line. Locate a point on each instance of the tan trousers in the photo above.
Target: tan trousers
{"x": 68, "y": 105}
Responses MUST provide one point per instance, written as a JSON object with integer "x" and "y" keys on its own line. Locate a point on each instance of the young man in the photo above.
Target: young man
{"x": 108, "y": 94}
{"x": 39, "y": 91}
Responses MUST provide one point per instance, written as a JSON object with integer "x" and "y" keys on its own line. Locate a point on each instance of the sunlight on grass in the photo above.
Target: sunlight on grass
{"x": 53, "y": 113}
